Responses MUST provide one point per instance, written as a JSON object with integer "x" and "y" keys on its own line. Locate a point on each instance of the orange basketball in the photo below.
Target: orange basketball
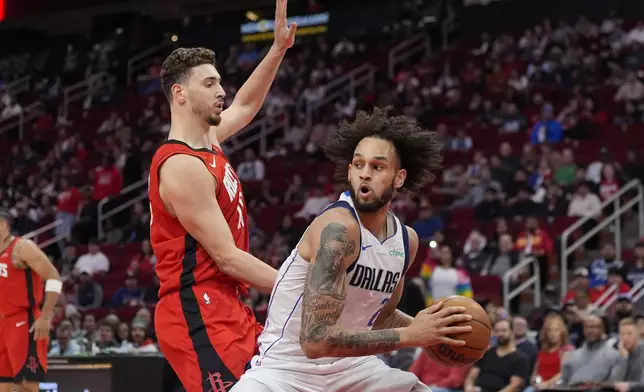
{"x": 477, "y": 340}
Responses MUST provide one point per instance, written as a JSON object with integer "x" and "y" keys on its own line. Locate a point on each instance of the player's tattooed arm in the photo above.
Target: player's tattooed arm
{"x": 325, "y": 292}
{"x": 390, "y": 317}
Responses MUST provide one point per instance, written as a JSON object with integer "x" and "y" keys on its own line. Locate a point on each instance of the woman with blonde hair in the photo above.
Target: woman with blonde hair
{"x": 554, "y": 343}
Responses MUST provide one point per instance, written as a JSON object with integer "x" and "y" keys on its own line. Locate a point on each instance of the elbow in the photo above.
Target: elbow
{"x": 226, "y": 261}
{"x": 313, "y": 350}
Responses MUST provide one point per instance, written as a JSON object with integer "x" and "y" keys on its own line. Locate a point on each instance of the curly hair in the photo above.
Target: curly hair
{"x": 418, "y": 150}
{"x": 176, "y": 67}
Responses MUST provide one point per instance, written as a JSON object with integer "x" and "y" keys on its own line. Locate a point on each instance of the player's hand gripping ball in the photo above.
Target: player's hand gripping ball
{"x": 477, "y": 341}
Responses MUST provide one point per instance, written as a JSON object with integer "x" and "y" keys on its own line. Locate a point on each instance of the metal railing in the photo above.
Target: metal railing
{"x": 28, "y": 113}
{"x": 609, "y": 297}
{"x": 258, "y": 131}
{"x": 638, "y": 297}
{"x": 143, "y": 60}
{"x": 18, "y": 86}
{"x": 615, "y": 217}
{"x": 345, "y": 84}
{"x": 83, "y": 89}
{"x": 417, "y": 44}
{"x": 139, "y": 189}
{"x": 33, "y": 235}
{"x": 534, "y": 280}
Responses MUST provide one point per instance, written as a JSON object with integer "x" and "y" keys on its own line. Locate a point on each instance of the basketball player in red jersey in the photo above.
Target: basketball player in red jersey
{"x": 199, "y": 226}
{"x": 24, "y": 328}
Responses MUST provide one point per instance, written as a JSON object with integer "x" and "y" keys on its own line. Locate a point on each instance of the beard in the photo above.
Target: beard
{"x": 206, "y": 114}
{"x": 502, "y": 341}
{"x": 376, "y": 202}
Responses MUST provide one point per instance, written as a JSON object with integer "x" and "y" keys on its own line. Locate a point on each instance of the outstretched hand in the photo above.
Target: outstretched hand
{"x": 284, "y": 33}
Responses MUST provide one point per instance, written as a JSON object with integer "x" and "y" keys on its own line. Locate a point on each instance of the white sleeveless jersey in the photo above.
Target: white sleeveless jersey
{"x": 372, "y": 280}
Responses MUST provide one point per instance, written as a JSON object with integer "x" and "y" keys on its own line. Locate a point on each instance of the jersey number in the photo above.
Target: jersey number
{"x": 4, "y": 271}
{"x": 373, "y": 319}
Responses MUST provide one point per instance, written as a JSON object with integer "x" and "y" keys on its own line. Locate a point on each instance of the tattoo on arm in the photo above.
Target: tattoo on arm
{"x": 16, "y": 255}
{"x": 324, "y": 294}
{"x": 397, "y": 319}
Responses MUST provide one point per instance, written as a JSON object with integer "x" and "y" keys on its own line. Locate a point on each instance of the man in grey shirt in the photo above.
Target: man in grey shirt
{"x": 628, "y": 374}
{"x": 593, "y": 362}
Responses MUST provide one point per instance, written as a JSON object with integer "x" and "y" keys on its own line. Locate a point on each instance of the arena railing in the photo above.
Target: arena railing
{"x": 348, "y": 83}
{"x": 606, "y": 301}
{"x": 533, "y": 280}
{"x": 33, "y": 235}
{"x": 256, "y": 132}
{"x": 18, "y": 86}
{"x": 417, "y": 44}
{"x": 638, "y": 297}
{"x": 84, "y": 89}
{"x": 20, "y": 120}
{"x": 615, "y": 219}
{"x": 140, "y": 62}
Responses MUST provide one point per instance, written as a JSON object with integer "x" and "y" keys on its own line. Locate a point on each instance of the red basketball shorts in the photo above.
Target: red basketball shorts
{"x": 21, "y": 358}
{"x": 207, "y": 335}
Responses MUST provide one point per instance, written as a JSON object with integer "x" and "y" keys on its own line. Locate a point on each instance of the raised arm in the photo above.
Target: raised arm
{"x": 336, "y": 236}
{"x": 390, "y": 316}
{"x": 27, "y": 254}
{"x": 250, "y": 97}
{"x": 188, "y": 190}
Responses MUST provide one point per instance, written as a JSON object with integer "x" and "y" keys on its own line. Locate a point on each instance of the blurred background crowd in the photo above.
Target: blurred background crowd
{"x": 542, "y": 126}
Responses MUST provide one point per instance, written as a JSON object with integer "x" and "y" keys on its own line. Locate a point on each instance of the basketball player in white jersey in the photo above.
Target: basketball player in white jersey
{"x": 333, "y": 306}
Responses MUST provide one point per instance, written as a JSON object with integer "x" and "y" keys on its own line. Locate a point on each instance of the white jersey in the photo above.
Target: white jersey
{"x": 372, "y": 280}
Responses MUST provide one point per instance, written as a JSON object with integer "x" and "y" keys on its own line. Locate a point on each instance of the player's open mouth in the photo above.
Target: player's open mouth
{"x": 219, "y": 105}
{"x": 365, "y": 190}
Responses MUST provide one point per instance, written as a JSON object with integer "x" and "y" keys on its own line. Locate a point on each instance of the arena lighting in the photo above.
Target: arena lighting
{"x": 3, "y": 5}
{"x": 252, "y": 16}
{"x": 174, "y": 38}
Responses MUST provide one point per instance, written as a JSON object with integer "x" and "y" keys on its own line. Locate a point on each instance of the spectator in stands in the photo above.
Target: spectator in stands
{"x": 594, "y": 170}
{"x": 631, "y": 90}
{"x": 554, "y": 344}
{"x": 594, "y": 361}
{"x": 623, "y": 310}
{"x": 110, "y": 124}
{"x": 475, "y": 256}
{"x": 138, "y": 228}
{"x": 555, "y": 203}
{"x": 523, "y": 342}
{"x": 437, "y": 376}
{"x": 599, "y": 267}
{"x": 503, "y": 258}
{"x": 139, "y": 342}
{"x": 428, "y": 223}
{"x": 315, "y": 202}
{"x": 636, "y": 272}
{"x": 548, "y": 129}
{"x": 566, "y": 173}
{"x": 296, "y": 192}
{"x": 585, "y": 204}
{"x": 65, "y": 263}
{"x": 67, "y": 209}
{"x": 609, "y": 184}
{"x": 252, "y": 168}
{"x": 108, "y": 180}
{"x": 512, "y": 120}
{"x": 93, "y": 262}
{"x": 444, "y": 279}
{"x": 522, "y": 205}
{"x": 64, "y": 345}
{"x": 89, "y": 295}
{"x": 490, "y": 208}
{"x": 129, "y": 295}
{"x": 106, "y": 342}
{"x": 144, "y": 262}
{"x": 123, "y": 334}
{"x": 462, "y": 142}
{"x": 628, "y": 374}
{"x": 502, "y": 367}
{"x": 536, "y": 242}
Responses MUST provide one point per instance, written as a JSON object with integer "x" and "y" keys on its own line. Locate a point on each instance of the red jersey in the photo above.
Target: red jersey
{"x": 24, "y": 285}
{"x": 181, "y": 260}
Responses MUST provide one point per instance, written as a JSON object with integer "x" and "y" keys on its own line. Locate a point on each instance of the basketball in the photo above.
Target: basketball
{"x": 477, "y": 340}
